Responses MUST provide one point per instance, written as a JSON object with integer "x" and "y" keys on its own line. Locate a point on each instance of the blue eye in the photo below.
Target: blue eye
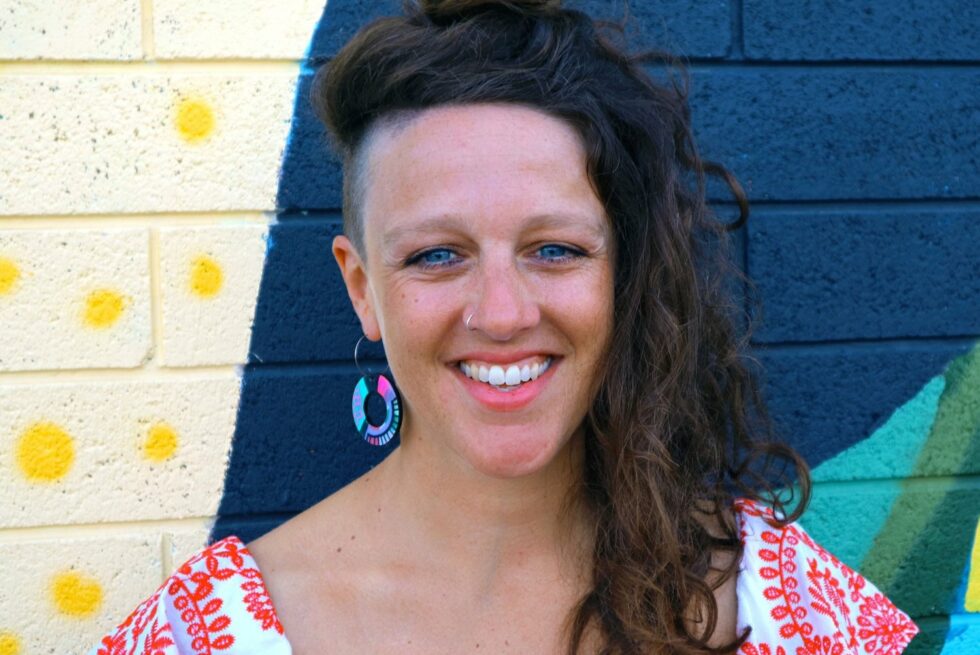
{"x": 557, "y": 253}
{"x": 433, "y": 258}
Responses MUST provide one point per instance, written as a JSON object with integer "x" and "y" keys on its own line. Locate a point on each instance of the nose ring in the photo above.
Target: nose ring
{"x": 467, "y": 322}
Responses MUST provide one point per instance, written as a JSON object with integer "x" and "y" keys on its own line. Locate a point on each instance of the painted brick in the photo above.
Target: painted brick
{"x": 838, "y": 133}
{"x": 303, "y": 312}
{"x": 247, "y": 528}
{"x": 186, "y": 541}
{"x": 143, "y": 142}
{"x": 866, "y": 274}
{"x": 126, "y": 569}
{"x": 209, "y": 284}
{"x": 826, "y": 399}
{"x": 925, "y": 519}
{"x": 234, "y": 28}
{"x": 312, "y": 171}
{"x": 874, "y": 29}
{"x": 699, "y": 30}
{"x": 787, "y": 134}
{"x": 50, "y": 315}
{"x": 109, "y": 424}
{"x": 95, "y": 29}
{"x": 286, "y": 461}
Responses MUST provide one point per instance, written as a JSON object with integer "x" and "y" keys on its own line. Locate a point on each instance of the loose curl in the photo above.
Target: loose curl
{"x": 678, "y": 428}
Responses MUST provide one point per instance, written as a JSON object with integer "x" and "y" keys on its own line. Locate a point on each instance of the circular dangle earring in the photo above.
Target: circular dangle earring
{"x": 376, "y": 405}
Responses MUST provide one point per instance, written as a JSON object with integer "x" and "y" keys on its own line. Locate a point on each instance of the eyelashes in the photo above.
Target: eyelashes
{"x": 433, "y": 259}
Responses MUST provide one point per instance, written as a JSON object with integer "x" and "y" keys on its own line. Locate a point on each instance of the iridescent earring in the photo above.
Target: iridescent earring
{"x": 372, "y": 391}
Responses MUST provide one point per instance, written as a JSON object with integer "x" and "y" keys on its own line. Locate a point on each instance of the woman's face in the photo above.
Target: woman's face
{"x": 485, "y": 210}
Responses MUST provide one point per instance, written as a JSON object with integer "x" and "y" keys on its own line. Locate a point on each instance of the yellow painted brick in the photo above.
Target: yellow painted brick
{"x": 74, "y": 299}
{"x": 93, "y": 29}
{"x": 186, "y": 542}
{"x": 234, "y": 28}
{"x": 209, "y": 281}
{"x": 143, "y": 141}
{"x": 124, "y": 450}
{"x": 61, "y": 596}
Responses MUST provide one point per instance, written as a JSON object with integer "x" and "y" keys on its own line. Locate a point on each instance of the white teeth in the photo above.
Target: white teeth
{"x": 505, "y": 379}
{"x": 497, "y": 375}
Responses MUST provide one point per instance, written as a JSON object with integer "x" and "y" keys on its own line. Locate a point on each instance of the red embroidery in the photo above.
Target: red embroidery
{"x": 883, "y": 627}
{"x": 834, "y": 591}
{"x": 205, "y": 619}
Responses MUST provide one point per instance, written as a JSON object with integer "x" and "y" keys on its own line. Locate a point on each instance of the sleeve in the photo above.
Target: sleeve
{"x": 797, "y": 597}
{"x": 216, "y": 602}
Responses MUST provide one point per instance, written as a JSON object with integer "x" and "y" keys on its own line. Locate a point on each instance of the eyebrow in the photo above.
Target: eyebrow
{"x": 456, "y": 223}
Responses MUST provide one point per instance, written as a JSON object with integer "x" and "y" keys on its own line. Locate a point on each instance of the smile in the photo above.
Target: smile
{"x": 506, "y": 377}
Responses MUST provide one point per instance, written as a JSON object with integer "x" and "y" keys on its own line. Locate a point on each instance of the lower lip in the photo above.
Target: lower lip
{"x": 507, "y": 401}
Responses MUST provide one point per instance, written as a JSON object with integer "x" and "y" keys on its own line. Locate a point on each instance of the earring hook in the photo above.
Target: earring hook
{"x": 358, "y": 364}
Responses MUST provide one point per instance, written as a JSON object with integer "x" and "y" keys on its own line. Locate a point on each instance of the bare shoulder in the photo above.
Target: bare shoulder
{"x": 306, "y": 562}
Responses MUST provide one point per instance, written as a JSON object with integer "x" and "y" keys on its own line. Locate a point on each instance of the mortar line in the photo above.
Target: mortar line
{"x": 933, "y": 482}
{"x": 738, "y": 36}
{"x": 156, "y": 300}
{"x": 144, "y": 373}
{"x": 147, "y": 38}
{"x": 133, "y": 220}
{"x": 250, "y": 67}
{"x": 16, "y": 534}
{"x": 166, "y": 556}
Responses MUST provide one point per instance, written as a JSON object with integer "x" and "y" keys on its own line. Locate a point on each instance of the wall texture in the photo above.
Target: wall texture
{"x": 175, "y": 343}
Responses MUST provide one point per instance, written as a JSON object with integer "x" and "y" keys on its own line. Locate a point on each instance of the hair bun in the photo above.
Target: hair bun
{"x": 452, "y": 8}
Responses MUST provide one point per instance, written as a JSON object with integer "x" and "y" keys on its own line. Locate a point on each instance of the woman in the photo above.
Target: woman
{"x": 583, "y": 462}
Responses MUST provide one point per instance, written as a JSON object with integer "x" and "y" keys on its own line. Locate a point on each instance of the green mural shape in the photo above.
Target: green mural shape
{"x": 911, "y": 530}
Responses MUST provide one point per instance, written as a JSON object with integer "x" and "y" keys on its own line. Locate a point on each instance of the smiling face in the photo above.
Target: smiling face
{"x": 485, "y": 212}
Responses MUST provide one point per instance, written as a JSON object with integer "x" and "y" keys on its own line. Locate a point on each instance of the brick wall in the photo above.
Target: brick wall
{"x": 175, "y": 342}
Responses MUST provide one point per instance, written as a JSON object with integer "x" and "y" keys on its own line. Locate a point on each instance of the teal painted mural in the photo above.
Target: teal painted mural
{"x": 903, "y": 505}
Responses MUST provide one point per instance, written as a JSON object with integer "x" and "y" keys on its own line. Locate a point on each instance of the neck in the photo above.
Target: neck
{"x": 482, "y": 527}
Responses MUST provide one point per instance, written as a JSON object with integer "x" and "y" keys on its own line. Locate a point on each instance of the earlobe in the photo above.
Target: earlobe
{"x": 354, "y": 272}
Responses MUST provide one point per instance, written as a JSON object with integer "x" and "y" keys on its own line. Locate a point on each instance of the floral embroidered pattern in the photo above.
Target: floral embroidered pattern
{"x": 219, "y": 598}
{"x": 818, "y": 605}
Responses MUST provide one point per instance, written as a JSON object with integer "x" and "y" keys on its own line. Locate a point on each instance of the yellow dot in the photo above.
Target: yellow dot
{"x": 195, "y": 120}
{"x": 45, "y": 452}
{"x": 76, "y": 594}
{"x": 161, "y": 443}
{"x": 206, "y": 277}
{"x": 103, "y": 307}
{"x": 9, "y": 274}
{"x": 9, "y": 643}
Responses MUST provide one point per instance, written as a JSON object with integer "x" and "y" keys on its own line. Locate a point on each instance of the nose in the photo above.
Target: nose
{"x": 506, "y": 305}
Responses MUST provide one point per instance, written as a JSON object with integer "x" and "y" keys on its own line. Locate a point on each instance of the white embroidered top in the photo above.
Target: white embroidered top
{"x": 796, "y": 597}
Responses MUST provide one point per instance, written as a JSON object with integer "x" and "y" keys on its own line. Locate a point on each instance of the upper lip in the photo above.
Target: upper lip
{"x": 501, "y": 358}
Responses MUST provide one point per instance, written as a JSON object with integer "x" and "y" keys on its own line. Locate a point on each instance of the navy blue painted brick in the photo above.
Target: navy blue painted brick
{"x": 826, "y": 399}
{"x": 295, "y": 441}
{"x": 700, "y": 29}
{"x": 788, "y": 134}
{"x": 869, "y": 30}
{"x": 839, "y": 133}
{"x": 870, "y": 274}
{"x": 303, "y": 313}
{"x": 312, "y": 174}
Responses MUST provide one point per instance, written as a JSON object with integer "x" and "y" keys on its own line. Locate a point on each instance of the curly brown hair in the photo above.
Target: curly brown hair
{"x": 678, "y": 421}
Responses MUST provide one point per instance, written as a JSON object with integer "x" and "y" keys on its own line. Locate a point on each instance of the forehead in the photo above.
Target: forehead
{"x": 494, "y": 162}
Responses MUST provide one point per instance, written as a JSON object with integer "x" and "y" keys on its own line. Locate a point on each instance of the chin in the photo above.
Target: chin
{"x": 509, "y": 453}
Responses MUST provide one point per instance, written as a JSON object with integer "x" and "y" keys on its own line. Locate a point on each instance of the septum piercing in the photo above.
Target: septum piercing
{"x": 467, "y": 322}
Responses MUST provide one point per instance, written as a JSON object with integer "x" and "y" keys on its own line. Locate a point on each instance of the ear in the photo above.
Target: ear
{"x": 354, "y": 271}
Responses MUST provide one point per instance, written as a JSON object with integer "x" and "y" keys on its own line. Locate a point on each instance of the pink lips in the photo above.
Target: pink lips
{"x": 507, "y": 401}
